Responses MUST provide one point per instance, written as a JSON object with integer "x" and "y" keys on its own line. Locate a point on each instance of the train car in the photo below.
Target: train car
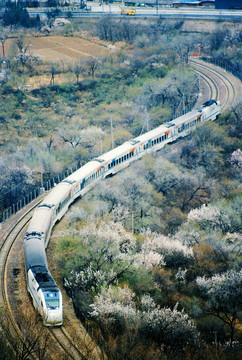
{"x": 179, "y": 127}
{"x": 41, "y": 224}
{"x": 46, "y": 296}
{"x": 118, "y": 158}
{"x": 59, "y": 199}
{"x": 85, "y": 178}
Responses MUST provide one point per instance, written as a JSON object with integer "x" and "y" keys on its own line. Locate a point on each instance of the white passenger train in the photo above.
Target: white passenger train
{"x": 46, "y": 296}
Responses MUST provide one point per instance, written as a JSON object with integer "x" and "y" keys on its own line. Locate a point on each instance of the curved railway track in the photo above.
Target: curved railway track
{"x": 64, "y": 340}
{"x": 5, "y": 251}
{"x": 19, "y": 334}
{"x": 219, "y": 86}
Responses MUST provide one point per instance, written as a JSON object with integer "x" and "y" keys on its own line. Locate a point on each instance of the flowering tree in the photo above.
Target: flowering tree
{"x": 236, "y": 161}
{"x": 100, "y": 254}
{"x": 173, "y": 252}
{"x": 222, "y": 295}
{"x": 222, "y": 219}
{"x": 172, "y": 329}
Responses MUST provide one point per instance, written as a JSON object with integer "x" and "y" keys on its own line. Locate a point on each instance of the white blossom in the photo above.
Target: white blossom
{"x": 148, "y": 260}
{"x": 115, "y": 302}
{"x": 236, "y": 160}
{"x": 162, "y": 250}
{"x": 181, "y": 276}
{"x": 222, "y": 286}
{"x": 204, "y": 213}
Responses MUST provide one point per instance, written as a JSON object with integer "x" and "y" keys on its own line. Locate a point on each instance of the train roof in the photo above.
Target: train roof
{"x": 186, "y": 117}
{"x": 117, "y": 152}
{"x": 34, "y": 251}
{"x": 40, "y": 221}
{"x": 56, "y": 195}
{"x": 83, "y": 172}
{"x": 151, "y": 134}
{"x": 44, "y": 278}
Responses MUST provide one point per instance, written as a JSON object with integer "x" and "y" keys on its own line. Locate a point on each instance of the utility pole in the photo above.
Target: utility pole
{"x": 112, "y": 133}
{"x": 101, "y": 145}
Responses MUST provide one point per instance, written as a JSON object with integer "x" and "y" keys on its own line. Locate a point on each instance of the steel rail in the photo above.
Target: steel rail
{"x": 220, "y": 74}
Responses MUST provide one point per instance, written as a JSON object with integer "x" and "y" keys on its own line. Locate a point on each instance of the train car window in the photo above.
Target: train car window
{"x": 124, "y": 157}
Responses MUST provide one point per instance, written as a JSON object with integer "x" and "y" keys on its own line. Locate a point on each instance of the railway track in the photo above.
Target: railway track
{"x": 17, "y": 323}
{"x": 68, "y": 345}
{"x": 218, "y": 85}
{"x": 5, "y": 251}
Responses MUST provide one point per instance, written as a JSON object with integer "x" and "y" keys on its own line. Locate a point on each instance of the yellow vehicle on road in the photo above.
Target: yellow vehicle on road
{"x": 128, "y": 11}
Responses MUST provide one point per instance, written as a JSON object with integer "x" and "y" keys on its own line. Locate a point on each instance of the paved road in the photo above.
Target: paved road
{"x": 115, "y": 9}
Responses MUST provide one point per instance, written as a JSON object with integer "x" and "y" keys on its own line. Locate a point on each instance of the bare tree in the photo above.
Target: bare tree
{"x": 78, "y": 69}
{"x": 34, "y": 337}
{"x": 92, "y": 64}
{"x": 183, "y": 47}
{"x": 50, "y": 143}
{"x": 70, "y": 136}
{"x": 22, "y": 44}
{"x": 53, "y": 72}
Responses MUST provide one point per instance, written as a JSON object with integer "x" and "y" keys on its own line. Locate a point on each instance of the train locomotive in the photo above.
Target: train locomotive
{"x": 46, "y": 296}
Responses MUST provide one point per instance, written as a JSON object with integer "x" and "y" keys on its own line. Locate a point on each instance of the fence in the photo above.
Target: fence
{"x": 14, "y": 208}
{"x": 226, "y": 66}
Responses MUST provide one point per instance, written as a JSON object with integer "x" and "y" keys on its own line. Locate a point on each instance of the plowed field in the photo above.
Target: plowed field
{"x": 60, "y": 48}
{"x": 67, "y": 49}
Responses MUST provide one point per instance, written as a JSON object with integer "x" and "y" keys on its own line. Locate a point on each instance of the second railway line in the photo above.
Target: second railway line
{"x": 223, "y": 85}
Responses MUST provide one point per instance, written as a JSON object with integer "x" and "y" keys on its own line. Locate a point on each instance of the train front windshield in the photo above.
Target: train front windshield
{"x": 52, "y": 300}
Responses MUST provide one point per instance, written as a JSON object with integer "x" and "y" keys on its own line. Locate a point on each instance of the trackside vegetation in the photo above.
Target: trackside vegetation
{"x": 151, "y": 258}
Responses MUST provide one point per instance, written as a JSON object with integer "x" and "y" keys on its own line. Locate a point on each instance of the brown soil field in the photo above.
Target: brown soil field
{"x": 62, "y": 49}
{"x": 66, "y": 49}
